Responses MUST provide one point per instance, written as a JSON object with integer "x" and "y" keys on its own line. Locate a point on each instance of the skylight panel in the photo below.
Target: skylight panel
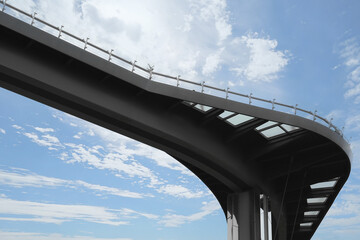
{"x": 307, "y": 224}
{"x": 317, "y": 200}
{"x": 225, "y": 114}
{"x": 289, "y": 128}
{"x": 327, "y": 184}
{"x": 203, "y": 108}
{"x": 272, "y": 132}
{"x": 311, "y": 213}
{"x": 238, "y": 119}
{"x": 265, "y": 125}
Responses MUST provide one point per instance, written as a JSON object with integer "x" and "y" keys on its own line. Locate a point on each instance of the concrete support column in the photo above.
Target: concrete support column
{"x": 243, "y": 216}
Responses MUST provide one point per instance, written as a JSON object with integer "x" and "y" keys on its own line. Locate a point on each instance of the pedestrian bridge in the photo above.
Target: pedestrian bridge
{"x": 249, "y": 157}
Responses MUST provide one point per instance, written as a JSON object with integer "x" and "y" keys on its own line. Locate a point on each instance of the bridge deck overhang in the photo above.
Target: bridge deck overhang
{"x": 229, "y": 158}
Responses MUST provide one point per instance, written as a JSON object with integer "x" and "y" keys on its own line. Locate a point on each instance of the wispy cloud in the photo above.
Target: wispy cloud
{"x": 112, "y": 191}
{"x": 22, "y": 178}
{"x": 2, "y": 131}
{"x": 43, "y": 130}
{"x": 116, "y": 158}
{"x": 118, "y": 154}
{"x": 46, "y": 140}
{"x": 344, "y": 215}
{"x": 180, "y": 191}
{"x": 128, "y": 148}
{"x": 175, "y": 220}
{"x": 122, "y": 164}
{"x": 17, "y": 127}
{"x": 161, "y": 158}
{"x": 353, "y": 122}
{"x": 350, "y": 53}
{"x": 58, "y": 213}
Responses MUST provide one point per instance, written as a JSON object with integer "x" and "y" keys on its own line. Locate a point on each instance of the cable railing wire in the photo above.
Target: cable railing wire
{"x": 150, "y": 73}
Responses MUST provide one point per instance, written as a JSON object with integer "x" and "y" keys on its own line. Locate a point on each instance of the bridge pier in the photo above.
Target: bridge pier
{"x": 243, "y": 216}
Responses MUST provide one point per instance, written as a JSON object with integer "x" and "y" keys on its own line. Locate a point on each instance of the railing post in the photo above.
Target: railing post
{"x": 330, "y": 122}
{"x": 60, "y": 30}
{"x": 227, "y": 93}
{"x": 273, "y": 104}
{"x": 250, "y": 98}
{"x": 151, "y": 69}
{"x": 178, "y": 80}
{"x": 295, "y": 108}
{"x": 110, "y": 53}
{"x": 4, "y": 5}
{"x": 314, "y": 115}
{"x": 33, "y": 18}
{"x": 133, "y": 66}
{"x": 202, "y": 86}
{"x": 86, "y": 42}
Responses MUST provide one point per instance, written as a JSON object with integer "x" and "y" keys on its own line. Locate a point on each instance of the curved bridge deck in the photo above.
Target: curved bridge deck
{"x": 232, "y": 147}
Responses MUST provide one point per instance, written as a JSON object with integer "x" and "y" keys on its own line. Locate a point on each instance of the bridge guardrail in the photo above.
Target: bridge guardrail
{"x": 150, "y": 71}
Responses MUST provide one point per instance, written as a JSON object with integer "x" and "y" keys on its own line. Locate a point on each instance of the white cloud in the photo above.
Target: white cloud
{"x": 174, "y": 220}
{"x": 43, "y": 130}
{"x": 355, "y": 74}
{"x": 117, "y": 155}
{"x": 353, "y": 123}
{"x": 265, "y": 62}
{"x": 212, "y": 63}
{"x": 350, "y": 52}
{"x": 335, "y": 114}
{"x": 213, "y": 12}
{"x": 77, "y": 136}
{"x": 187, "y": 23}
{"x": 46, "y": 140}
{"x": 344, "y": 215}
{"x": 188, "y": 38}
{"x": 130, "y": 212}
{"x": 112, "y": 191}
{"x": 22, "y": 178}
{"x": 126, "y": 147}
{"x": 55, "y": 213}
{"x": 354, "y": 91}
{"x": 2, "y": 131}
{"x": 120, "y": 163}
{"x": 161, "y": 158}
{"x": 48, "y": 236}
{"x": 58, "y": 213}
{"x": 355, "y": 148}
{"x": 39, "y": 220}
{"x": 17, "y": 127}
{"x": 180, "y": 191}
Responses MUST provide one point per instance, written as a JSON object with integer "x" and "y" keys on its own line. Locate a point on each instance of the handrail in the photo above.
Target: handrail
{"x": 150, "y": 71}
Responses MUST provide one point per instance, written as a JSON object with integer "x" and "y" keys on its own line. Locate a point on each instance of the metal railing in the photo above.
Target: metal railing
{"x": 151, "y": 73}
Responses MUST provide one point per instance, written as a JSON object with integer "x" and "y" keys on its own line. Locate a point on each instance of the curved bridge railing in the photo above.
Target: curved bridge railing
{"x": 150, "y": 73}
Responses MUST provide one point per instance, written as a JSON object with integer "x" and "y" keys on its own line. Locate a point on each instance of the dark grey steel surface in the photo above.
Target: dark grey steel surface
{"x": 227, "y": 159}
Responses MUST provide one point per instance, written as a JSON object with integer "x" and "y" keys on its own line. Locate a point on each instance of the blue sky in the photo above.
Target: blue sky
{"x": 66, "y": 179}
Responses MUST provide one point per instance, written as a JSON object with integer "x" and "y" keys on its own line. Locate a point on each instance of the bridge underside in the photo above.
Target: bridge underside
{"x": 232, "y": 147}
